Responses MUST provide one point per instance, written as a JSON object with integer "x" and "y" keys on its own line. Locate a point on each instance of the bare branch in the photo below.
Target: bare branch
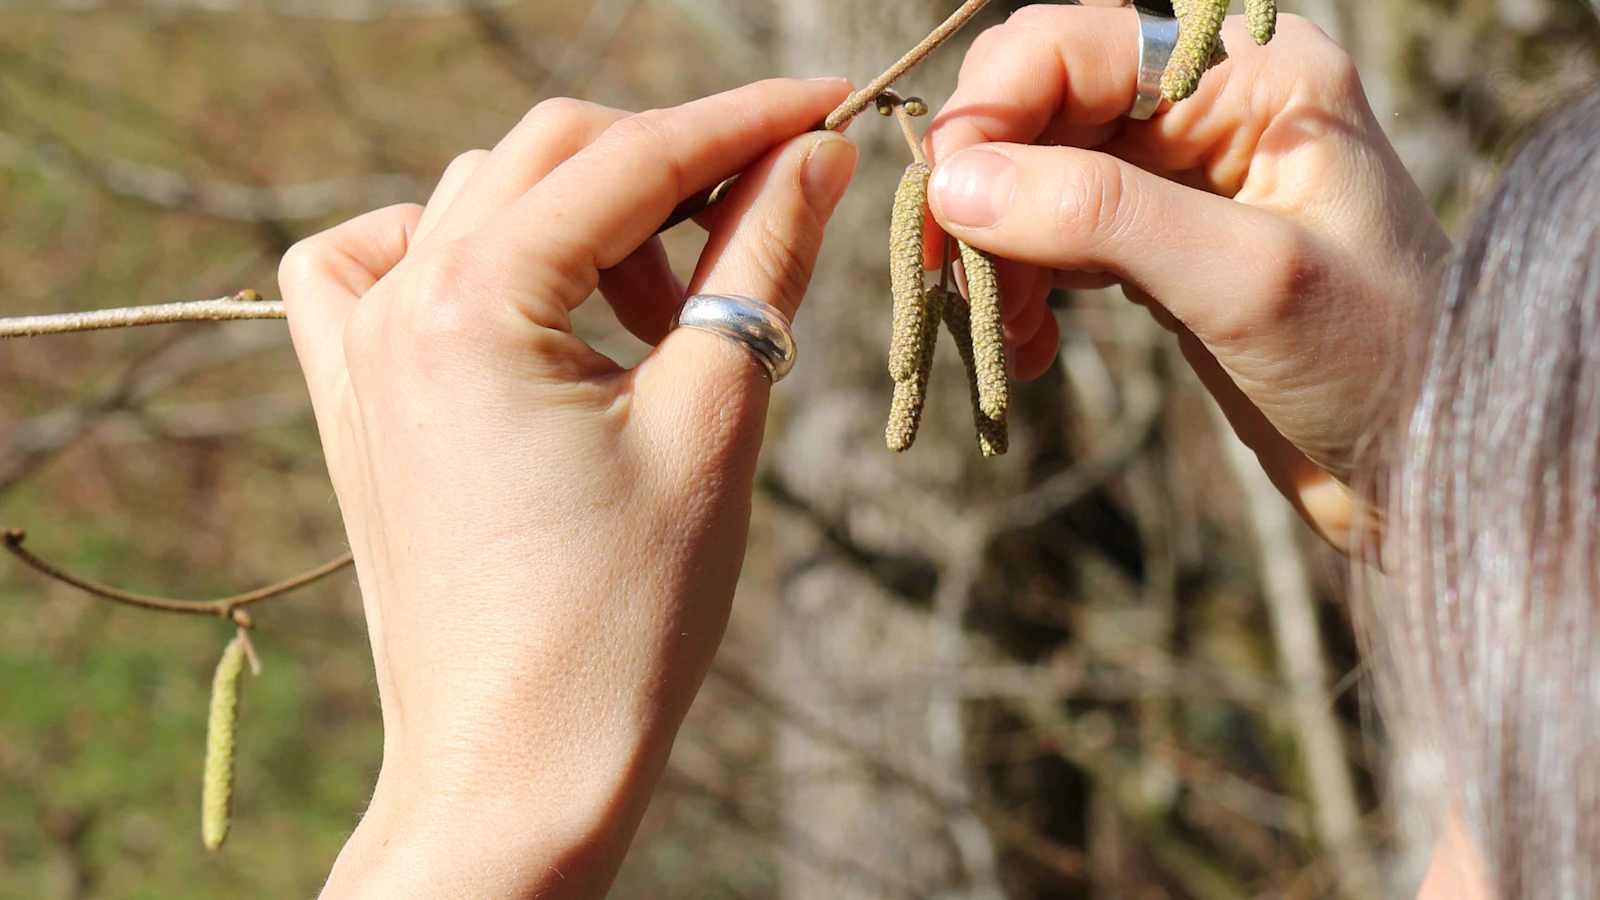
{"x": 225, "y": 607}
{"x": 1016, "y": 833}
{"x": 220, "y": 199}
{"x": 338, "y": 10}
{"x": 575, "y": 58}
{"x": 860, "y": 100}
{"x": 1145, "y": 403}
{"x": 244, "y": 305}
{"x": 854, "y": 104}
{"x": 805, "y": 848}
{"x": 1292, "y": 612}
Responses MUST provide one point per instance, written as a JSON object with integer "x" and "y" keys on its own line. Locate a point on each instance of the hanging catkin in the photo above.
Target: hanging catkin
{"x": 911, "y": 394}
{"x": 1200, "y": 40}
{"x": 216, "y": 801}
{"x": 1262, "y": 18}
{"x": 993, "y": 438}
{"x": 988, "y": 335}
{"x": 905, "y": 273}
{"x": 1199, "y": 46}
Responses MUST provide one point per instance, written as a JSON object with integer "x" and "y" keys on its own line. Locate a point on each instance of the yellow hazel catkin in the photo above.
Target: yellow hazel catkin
{"x": 216, "y": 800}
{"x": 988, "y": 335}
{"x": 911, "y": 395}
{"x": 993, "y": 437}
{"x": 1199, "y": 46}
{"x": 905, "y": 271}
{"x": 1261, "y": 16}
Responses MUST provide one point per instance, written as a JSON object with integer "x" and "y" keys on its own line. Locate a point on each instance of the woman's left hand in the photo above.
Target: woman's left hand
{"x": 547, "y": 543}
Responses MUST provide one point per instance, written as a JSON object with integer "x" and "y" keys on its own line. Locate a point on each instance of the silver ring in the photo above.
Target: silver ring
{"x": 752, "y": 324}
{"x": 1158, "y": 36}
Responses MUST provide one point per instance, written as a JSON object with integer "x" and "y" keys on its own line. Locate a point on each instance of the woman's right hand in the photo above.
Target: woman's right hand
{"x": 1267, "y": 221}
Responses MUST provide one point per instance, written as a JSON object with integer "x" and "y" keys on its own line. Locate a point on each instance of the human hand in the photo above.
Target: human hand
{"x": 1266, "y": 221}
{"x": 547, "y": 543}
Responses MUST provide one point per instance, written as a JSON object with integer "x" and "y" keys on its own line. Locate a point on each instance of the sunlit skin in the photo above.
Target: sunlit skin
{"x": 1266, "y": 221}
{"x": 547, "y": 544}
{"x": 1455, "y": 873}
{"x": 542, "y": 617}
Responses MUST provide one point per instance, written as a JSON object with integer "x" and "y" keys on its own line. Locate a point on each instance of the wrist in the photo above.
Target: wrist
{"x": 552, "y": 833}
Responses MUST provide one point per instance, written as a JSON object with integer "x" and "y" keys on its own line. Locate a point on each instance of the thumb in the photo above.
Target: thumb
{"x": 1218, "y": 265}
{"x": 763, "y": 244}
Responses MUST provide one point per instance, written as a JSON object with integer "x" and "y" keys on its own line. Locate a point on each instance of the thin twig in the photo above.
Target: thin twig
{"x": 236, "y": 307}
{"x": 223, "y": 608}
{"x": 1011, "y": 829}
{"x": 1292, "y": 614}
{"x": 860, "y": 100}
{"x": 903, "y": 116}
{"x": 223, "y": 309}
{"x": 1145, "y": 403}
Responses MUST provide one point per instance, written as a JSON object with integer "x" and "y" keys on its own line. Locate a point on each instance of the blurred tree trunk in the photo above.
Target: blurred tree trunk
{"x": 848, "y": 651}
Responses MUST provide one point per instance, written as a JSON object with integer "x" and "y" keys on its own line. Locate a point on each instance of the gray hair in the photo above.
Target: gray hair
{"x": 1486, "y": 637}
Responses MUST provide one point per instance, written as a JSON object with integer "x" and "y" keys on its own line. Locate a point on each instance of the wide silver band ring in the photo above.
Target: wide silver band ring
{"x": 1158, "y": 36}
{"x": 749, "y": 322}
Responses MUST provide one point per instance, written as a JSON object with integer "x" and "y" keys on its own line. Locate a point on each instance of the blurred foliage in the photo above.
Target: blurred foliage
{"x": 1121, "y": 699}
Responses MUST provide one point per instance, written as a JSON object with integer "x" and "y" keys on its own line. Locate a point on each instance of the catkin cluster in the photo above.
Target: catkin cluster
{"x": 918, "y": 312}
{"x": 1200, "y": 40}
{"x": 216, "y": 800}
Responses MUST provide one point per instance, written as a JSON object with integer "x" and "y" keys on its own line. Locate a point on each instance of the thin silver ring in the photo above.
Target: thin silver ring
{"x": 751, "y": 323}
{"x": 1158, "y": 36}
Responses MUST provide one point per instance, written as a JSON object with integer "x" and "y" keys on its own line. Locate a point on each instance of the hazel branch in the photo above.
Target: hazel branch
{"x": 226, "y": 607}
{"x": 854, "y": 104}
{"x": 243, "y": 305}
{"x": 904, "y": 109}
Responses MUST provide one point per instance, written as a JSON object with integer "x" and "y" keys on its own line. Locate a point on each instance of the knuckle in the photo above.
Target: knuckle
{"x": 1317, "y": 55}
{"x": 556, "y": 115}
{"x": 648, "y": 130}
{"x": 458, "y": 299}
{"x": 1284, "y": 285}
{"x": 465, "y": 162}
{"x": 1338, "y": 71}
{"x": 1295, "y": 270}
{"x": 301, "y": 264}
{"x": 984, "y": 47}
{"x": 1036, "y": 15}
{"x": 1090, "y": 204}
{"x": 1298, "y": 28}
{"x": 446, "y": 285}
{"x": 782, "y": 260}
{"x": 651, "y": 135}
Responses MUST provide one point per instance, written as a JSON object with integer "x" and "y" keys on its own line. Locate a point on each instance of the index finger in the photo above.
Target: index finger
{"x": 1070, "y": 71}
{"x": 605, "y": 202}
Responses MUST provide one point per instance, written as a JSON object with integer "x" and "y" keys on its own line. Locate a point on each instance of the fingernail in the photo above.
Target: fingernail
{"x": 973, "y": 188}
{"x": 827, "y": 172}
